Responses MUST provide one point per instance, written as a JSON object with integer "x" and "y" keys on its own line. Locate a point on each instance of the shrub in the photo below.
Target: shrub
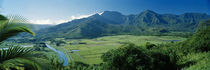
{"x": 195, "y": 61}
{"x": 150, "y": 45}
{"x": 200, "y": 41}
{"x": 128, "y": 57}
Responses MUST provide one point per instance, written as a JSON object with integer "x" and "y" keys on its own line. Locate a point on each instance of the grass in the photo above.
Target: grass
{"x": 93, "y": 49}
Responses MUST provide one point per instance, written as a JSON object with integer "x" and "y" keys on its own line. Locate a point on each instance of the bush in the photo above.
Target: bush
{"x": 128, "y": 57}
{"x": 164, "y": 59}
{"x": 195, "y": 61}
{"x": 150, "y": 45}
{"x": 200, "y": 41}
{"x": 78, "y": 66}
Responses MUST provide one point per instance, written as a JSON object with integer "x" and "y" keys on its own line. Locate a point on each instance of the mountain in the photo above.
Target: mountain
{"x": 115, "y": 23}
{"x": 114, "y": 16}
{"x": 35, "y": 28}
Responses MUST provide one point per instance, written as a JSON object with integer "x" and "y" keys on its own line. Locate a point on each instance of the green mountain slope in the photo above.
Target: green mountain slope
{"x": 114, "y": 23}
{"x": 199, "y": 42}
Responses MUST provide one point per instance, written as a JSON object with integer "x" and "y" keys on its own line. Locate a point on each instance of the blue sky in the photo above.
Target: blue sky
{"x": 57, "y": 11}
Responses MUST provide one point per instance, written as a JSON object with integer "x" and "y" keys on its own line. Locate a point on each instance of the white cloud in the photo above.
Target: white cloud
{"x": 85, "y": 16}
{"x": 48, "y": 21}
{"x": 81, "y": 16}
{"x": 44, "y": 21}
{"x": 59, "y": 21}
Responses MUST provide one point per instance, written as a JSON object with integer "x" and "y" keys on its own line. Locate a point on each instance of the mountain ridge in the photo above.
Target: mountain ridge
{"x": 115, "y": 23}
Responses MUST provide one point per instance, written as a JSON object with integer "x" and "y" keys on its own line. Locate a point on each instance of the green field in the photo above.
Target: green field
{"x": 91, "y": 51}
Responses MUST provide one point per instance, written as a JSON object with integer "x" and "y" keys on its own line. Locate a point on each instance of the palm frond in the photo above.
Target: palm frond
{"x": 17, "y": 57}
{"x": 13, "y": 26}
{"x": 13, "y": 52}
{"x": 8, "y": 28}
{"x": 2, "y": 18}
{"x": 24, "y": 63}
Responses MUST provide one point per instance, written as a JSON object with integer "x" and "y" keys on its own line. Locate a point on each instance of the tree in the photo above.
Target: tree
{"x": 9, "y": 57}
{"x": 149, "y": 45}
{"x": 200, "y": 41}
{"x": 128, "y": 57}
{"x": 60, "y": 43}
{"x": 11, "y": 27}
{"x": 163, "y": 31}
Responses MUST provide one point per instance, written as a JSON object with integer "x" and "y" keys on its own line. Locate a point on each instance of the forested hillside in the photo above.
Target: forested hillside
{"x": 115, "y": 23}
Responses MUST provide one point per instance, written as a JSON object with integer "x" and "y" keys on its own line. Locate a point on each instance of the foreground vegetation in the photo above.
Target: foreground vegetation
{"x": 14, "y": 57}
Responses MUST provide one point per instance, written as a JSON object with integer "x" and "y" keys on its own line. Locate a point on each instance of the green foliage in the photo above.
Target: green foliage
{"x": 39, "y": 46}
{"x": 200, "y": 41}
{"x": 17, "y": 63}
{"x": 149, "y": 45}
{"x": 195, "y": 61}
{"x": 128, "y": 57}
{"x": 164, "y": 57}
{"x": 195, "y": 50}
{"x": 17, "y": 57}
{"x": 132, "y": 57}
{"x": 60, "y": 42}
{"x": 9, "y": 58}
{"x": 92, "y": 29}
{"x": 164, "y": 31}
{"x": 12, "y": 26}
{"x": 55, "y": 63}
{"x": 13, "y": 52}
{"x": 79, "y": 66}
{"x": 83, "y": 66}
{"x": 203, "y": 25}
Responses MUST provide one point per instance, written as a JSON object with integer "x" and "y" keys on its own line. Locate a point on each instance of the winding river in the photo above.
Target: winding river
{"x": 61, "y": 54}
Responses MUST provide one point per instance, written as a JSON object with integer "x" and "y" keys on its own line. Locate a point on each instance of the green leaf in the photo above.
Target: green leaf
{"x": 12, "y": 26}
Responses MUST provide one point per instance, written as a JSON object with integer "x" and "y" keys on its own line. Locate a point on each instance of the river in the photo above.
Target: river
{"x": 61, "y": 54}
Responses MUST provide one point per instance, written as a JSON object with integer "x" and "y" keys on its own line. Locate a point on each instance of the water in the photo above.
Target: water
{"x": 75, "y": 50}
{"x": 69, "y": 55}
{"x": 61, "y": 54}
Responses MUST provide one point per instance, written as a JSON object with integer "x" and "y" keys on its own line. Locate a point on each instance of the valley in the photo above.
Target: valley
{"x": 90, "y": 50}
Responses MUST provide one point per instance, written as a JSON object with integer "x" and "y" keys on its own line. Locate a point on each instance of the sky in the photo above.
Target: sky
{"x": 59, "y": 11}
